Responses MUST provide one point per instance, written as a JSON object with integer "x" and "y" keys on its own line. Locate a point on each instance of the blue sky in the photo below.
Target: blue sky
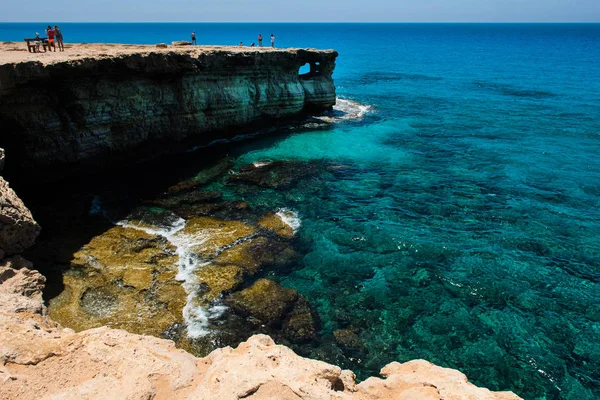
{"x": 302, "y": 10}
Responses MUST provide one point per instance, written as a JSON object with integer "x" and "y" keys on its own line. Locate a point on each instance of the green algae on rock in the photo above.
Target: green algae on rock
{"x": 123, "y": 278}
{"x": 273, "y": 222}
{"x": 207, "y": 235}
{"x": 265, "y": 300}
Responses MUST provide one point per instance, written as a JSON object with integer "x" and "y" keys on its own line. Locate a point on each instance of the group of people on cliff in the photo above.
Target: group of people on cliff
{"x": 54, "y": 38}
{"x": 260, "y": 39}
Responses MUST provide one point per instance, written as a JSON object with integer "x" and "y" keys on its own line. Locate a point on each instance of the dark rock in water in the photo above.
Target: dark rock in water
{"x": 204, "y": 177}
{"x": 300, "y": 324}
{"x": 184, "y": 186}
{"x": 534, "y": 247}
{"x": 234, "y": 210}
{"x": 265, "y": 300}
{"x": 346, "y": 338}
{"x": 277, "y": 174}
{"x": 193, "y": 197}
{"x": 256, "y": 254}
{"x": 175, "y": 332}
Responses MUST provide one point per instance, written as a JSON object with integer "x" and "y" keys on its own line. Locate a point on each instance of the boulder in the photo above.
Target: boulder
{"x": 300, "y": 325}
{"x": 265, "y": 300}
{"x": 346, "y": 338}
{"x": 162, "y": 45}
{"x": 18, "y": 229}
{"x": 20, "y": 286}
{"x": 253, "y": 255}
{"x": 273, "y": 222}
{"x": 182, "y": 43}
{"x": 208, "y": 236}
{"x": 276, "y": 174}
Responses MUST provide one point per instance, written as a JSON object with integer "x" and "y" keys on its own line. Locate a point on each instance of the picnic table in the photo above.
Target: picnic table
{"x": 32, "y": 44}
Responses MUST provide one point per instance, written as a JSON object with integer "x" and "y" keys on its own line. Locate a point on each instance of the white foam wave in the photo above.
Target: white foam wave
{"x": 345, "y": 109}
{"x": 290, "y": 218}
{"x": 258, "y": 164}
{"x": 195, "y": 315}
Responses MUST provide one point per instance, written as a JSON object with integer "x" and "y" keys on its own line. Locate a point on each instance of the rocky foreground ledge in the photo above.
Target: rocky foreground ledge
{"x": 39, "y": 359}
{"x": 98, "y": 105}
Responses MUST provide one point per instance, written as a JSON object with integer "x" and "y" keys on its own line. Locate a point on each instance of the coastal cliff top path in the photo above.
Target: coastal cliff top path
{"x": 16, "y": 52}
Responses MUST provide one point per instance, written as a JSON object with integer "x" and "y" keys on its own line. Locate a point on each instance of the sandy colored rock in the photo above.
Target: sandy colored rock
{"x": 20, "y": 286}
{"x": 273, "y": 222}
{"x": 18, "y": 229}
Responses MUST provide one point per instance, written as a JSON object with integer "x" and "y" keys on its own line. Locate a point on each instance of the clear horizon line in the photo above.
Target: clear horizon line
{"x": 303, "y": 22}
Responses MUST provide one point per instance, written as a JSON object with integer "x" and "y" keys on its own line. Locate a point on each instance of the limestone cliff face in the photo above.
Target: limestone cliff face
{"x": 109, "y": 109}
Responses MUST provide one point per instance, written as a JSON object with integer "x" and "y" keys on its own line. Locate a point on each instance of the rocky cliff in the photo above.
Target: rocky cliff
{"x": 104, "y": 105}
{"x": 39, "y": 359}
{"x": 18, "y": 229}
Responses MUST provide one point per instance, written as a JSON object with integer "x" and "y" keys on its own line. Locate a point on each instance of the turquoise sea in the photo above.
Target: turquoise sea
{"x": 461, "y": 222}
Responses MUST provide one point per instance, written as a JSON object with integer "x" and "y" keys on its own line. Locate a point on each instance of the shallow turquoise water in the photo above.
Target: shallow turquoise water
{"x": 462, "y": 225}
{"x": 461, "y": 222}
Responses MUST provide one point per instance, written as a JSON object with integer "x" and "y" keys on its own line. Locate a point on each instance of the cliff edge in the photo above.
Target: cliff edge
{"x": 105, "y": 105}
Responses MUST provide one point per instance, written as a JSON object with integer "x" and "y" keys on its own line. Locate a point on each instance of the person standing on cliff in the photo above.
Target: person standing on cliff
{"x": 259, "y": 40}
{"x": 50, "y": 34}
{"x": 59, "y": 38}
{"x": 193, "y": 38}
{"x": 272, "y": 40}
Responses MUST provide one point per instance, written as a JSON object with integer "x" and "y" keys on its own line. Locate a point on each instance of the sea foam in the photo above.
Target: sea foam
{"x": 195, "y": 315}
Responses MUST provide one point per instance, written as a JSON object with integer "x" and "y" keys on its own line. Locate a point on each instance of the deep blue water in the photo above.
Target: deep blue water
{"x": 462, "y": 225}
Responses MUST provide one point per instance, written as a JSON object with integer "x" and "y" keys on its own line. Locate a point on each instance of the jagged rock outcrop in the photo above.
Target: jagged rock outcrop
{"x": 91, "y": 112}
{"x": 18, "y": 229}
{"x": 41, "y": 360}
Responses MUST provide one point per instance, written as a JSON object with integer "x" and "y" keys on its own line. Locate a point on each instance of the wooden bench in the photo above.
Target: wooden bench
{"x": 32, "y": 44}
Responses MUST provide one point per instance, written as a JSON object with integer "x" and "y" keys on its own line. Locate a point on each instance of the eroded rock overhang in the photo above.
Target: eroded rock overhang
{"x": 88, "y": 113}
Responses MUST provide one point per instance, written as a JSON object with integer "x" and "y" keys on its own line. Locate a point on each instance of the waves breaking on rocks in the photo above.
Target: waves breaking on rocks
{"x": 195, "y": 315}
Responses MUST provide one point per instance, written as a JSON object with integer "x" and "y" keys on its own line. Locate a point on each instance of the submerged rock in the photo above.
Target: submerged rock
{"x": 276, "y": 174}
{"x": 204, "y": 177}
{"x": 223, "y": 209}
{"x": 300, "y": 324}
{"x": 346, "y": 338}
{"x": 265, "y": 300}
{"x": 255, "y": 254}
{"x": 171, "y": 201}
